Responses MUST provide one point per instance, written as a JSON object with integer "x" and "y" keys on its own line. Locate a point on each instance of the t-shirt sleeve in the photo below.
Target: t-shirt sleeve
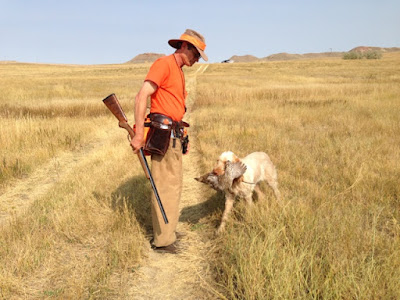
{"x": 158, "y": 72}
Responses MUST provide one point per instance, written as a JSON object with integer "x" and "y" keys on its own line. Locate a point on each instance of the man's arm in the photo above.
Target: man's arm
{"x": 148, "y": 88}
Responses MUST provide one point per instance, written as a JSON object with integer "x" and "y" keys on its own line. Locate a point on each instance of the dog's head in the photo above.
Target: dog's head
{"x": 219, "y": 169}
{"x": 234, "y": 171}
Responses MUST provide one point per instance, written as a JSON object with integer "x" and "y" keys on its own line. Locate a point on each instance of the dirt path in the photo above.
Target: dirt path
{"x": 19, "y": 196}
{"x": 186, "y": 275}
{"x": 162, "y": 276}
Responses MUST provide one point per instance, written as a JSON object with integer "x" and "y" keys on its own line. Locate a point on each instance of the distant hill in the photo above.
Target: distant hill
{"x": 288, "y": 56}
{"x": 244, "y": 58}
{"x": 284, "y": 56}
{"x": 151, "y": 57}
{"x": 366, "y": 48}
{"x": 145, "y": 58}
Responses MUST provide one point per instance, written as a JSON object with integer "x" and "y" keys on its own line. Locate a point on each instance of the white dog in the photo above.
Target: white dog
{"x": 240, "y": 177}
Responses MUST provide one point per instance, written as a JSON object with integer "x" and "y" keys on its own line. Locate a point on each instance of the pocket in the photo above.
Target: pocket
{"x": 159, "y": 135}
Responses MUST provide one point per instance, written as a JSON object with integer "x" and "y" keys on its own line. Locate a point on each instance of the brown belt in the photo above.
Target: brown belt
{"x": 165, "y": 122}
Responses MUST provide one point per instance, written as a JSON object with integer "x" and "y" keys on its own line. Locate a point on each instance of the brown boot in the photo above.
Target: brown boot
{"x": 171, "y": 249}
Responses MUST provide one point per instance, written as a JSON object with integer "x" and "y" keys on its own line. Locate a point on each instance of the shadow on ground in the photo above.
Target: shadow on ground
{"x": 193, "y": 214}
{"x": 134, "y": 195}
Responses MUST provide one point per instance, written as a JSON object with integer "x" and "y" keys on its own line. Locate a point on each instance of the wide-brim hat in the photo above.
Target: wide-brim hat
{"x": 194, "y": 38}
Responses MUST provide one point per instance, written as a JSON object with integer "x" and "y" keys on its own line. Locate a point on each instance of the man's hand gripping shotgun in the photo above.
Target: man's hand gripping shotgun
{"x": 113, "y": 105}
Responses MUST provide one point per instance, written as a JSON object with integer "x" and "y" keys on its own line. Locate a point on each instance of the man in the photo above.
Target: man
{"x": 165, "y": 84}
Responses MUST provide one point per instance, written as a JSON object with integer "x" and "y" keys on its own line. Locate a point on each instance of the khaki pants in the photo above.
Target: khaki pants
{"x": 167, "y": 175}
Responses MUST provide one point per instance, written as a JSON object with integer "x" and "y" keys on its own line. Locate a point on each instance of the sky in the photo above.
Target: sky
{"x": 115, "y": 31}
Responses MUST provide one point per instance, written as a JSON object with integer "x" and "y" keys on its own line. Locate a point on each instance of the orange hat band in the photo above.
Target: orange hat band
{"x": 193, "y": 41}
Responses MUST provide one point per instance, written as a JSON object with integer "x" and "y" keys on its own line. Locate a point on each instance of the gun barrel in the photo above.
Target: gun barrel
{"x": 113, "y": 105}
{"x": 164, "y": 215}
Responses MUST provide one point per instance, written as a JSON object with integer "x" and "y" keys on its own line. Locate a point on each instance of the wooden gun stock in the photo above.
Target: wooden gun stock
{"x": 113, "y": 105}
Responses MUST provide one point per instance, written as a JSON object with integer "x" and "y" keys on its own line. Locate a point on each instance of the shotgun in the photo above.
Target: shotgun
{"x": 113, "y": 105}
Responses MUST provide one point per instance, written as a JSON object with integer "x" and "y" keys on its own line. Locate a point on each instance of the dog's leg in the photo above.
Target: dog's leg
{"x": 229, "y": 200}
{"x": 249, "y": 199}
{"x": 259, "y": 192}
{"x": 277, "y": 193}
{"x": 273, "y": 183}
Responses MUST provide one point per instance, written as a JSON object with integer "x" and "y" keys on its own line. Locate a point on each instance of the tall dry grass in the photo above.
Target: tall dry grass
{"x": 46, "y": 109}
{"x": 84, "y": 238}
{"x": 331, "y": 127}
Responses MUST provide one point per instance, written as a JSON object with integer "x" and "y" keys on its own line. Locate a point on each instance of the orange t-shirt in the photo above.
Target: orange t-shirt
{"x": 169, "y": 98}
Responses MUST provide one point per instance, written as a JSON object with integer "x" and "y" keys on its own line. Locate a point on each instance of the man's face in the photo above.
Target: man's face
{"x": 191, "y": 55}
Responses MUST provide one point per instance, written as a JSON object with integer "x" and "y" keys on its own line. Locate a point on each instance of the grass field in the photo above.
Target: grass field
{"x": 72, "y": 239}
{"x": 330, "y": 126}
{"x": 44, "y": 109}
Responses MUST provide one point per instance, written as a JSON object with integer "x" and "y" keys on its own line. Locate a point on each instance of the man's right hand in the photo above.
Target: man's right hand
{"x": 137, "y": 142}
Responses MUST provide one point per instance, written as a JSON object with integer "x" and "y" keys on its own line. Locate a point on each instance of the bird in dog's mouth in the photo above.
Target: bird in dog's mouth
{"x": 232, "y": 171}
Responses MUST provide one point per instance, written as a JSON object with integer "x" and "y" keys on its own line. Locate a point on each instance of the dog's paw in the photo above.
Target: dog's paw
{"x": 220, "y": 230}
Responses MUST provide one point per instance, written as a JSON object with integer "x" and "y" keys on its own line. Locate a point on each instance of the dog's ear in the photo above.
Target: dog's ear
{"x": 235, "y": 158}
{"x": 219, "y": 170}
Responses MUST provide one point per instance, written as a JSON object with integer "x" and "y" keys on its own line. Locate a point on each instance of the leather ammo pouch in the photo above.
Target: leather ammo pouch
{"x": 159, "y": 135}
